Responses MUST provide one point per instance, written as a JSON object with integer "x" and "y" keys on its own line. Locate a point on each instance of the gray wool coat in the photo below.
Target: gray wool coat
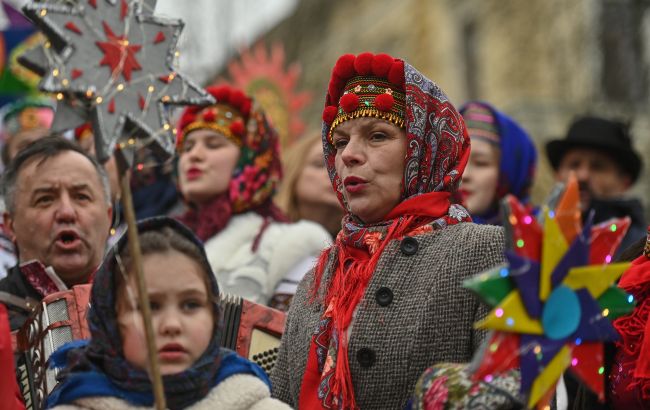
{"x": 413, "y": 314}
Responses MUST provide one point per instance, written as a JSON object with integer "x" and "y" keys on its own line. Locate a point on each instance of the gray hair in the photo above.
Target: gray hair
{"x": 44, "y": 148}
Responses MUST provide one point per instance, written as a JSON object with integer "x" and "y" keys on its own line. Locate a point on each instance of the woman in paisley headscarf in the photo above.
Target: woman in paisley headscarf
{"x": 503, "y": 161}
{"x": 229, "y": 166}
{"x": 386, "y": 299}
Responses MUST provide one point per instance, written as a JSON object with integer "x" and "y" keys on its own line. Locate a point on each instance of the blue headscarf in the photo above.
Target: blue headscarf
{"x": 98, "y": 367}
{"x": 518, "y": 160}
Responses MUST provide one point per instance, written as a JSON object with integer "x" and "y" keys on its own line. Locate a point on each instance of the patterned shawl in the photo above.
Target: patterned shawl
{"x": 437, "y": 152}
{"x": 103, "y": 358}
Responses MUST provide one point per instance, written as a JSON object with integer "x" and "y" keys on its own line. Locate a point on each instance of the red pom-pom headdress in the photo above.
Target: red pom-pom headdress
{"x": 226, "y": 117}
{"x": 366, "y": 85}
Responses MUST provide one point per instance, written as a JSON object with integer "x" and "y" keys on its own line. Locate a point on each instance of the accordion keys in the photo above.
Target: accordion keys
{"x": 60, "y": 318}
{"x": 252, "y": 330}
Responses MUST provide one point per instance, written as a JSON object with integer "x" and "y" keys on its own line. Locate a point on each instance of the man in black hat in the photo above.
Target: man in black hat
{"x": 600, "y": 153}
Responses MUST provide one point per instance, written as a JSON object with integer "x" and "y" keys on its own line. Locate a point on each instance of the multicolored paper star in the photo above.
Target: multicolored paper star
{"x": 553, "y": 301}
{"x": 112, "y": 62}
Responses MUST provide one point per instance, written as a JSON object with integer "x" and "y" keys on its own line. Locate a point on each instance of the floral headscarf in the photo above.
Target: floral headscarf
{"x": 103, "y": 356}
{"x": 258, "y": 171}
{"x": 437, "y": 152}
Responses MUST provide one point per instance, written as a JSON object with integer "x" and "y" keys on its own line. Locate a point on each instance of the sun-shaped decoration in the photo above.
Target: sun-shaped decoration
{"x": 553, "y": 302}
{"x": 263, "y": 76}
{"x": 112, "y": 62}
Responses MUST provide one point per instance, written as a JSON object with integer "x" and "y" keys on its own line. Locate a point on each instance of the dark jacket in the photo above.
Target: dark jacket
{"x": 15, "y": 284}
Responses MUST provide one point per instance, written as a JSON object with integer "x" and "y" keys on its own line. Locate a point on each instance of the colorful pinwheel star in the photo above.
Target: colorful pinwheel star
{"x": 553, "y": 301}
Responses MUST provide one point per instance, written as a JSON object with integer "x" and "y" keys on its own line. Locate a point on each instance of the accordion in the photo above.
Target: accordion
{"x": 252, "y": 330}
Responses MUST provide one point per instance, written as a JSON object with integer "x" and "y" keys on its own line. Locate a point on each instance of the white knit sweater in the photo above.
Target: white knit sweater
{"x": 255, "y": 275}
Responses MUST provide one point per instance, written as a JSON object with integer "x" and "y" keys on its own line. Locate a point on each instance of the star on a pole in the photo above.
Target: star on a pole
{"x": 112, "y": 62}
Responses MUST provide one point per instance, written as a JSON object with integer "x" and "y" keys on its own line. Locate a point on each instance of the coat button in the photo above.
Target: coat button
{"x": 366, "y": 357}
{"x": 409, "y": 246}
{"x": 384, "y": 296}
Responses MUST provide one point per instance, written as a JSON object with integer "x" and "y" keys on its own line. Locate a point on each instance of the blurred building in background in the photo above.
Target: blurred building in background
{"x": 542, "y": 61}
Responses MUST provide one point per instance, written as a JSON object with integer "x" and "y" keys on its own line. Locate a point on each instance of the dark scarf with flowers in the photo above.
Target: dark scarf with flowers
{"x": 252, "y": 185}
{"x": 437, "y": 152}
{"x": 103, "y": 357}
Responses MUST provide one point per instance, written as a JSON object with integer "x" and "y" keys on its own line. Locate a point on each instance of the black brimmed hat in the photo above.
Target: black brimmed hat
{"x": 611, "y": 137}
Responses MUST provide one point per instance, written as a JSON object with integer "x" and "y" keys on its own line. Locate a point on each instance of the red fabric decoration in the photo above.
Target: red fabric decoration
{"x": 237, "y": 98}
{"x": 111, "y": 106}
{"x": 246, "y": 107}
{"x": 76, "y": 73}
{"x": 381, "y": 64}
{"x": 396, "y": 73}
{"x": 363, "y": 63}
{"x": 72, "y": 27}
{"x": 329, "y": 113}
{"x": 237, "y": 128}
{"x": 116, "y": 56}
{"x": 209, "y": 116}
{"x": 141, "y": 101}
{"x": 344, "y": 67}
{"x": 384, "y": 102}
{"x": 93, "y": 3}
{"x": 160, "y": 37}
{"x": 221, "y": 93}
{"x": 334, "y": 89}
{"x": 349, "y": 102}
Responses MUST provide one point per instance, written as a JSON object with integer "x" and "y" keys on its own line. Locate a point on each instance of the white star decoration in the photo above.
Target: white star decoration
{"x": 109, "y": 62}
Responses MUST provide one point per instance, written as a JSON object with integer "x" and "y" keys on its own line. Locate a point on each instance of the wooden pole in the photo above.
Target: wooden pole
{"x": 134, "y": 247}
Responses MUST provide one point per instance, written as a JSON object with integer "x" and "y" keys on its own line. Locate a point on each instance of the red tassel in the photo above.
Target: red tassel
{"x": 209, "y": 116}
{"x": 236, "y": 99}
{"x": 237, "y": 128}
{"x": 329, "y": 113}
{"x": 222, "y": 94}
{"x": 363, "y": 63}
{"x": 384, "y": 102}
{"x": 396, "y": 74}
{"x": 344, "y": 67}
{"x": 381, "y": 64}
{"x": 349, "y": 102}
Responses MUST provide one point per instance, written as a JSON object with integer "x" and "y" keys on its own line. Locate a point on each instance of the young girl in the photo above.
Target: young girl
{"x": 110, "y": 370}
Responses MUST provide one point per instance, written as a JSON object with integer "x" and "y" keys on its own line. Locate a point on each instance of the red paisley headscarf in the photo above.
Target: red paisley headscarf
{"x": 437, "y": 152}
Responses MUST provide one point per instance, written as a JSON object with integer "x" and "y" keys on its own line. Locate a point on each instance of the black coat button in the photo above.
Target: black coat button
{"x": 366, "y": 357}
{"x": 409, "y": 246}
{"x": 384, "y": 296}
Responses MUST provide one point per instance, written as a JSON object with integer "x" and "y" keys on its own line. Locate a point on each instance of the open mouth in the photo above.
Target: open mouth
{"x": 68, "y": 239}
